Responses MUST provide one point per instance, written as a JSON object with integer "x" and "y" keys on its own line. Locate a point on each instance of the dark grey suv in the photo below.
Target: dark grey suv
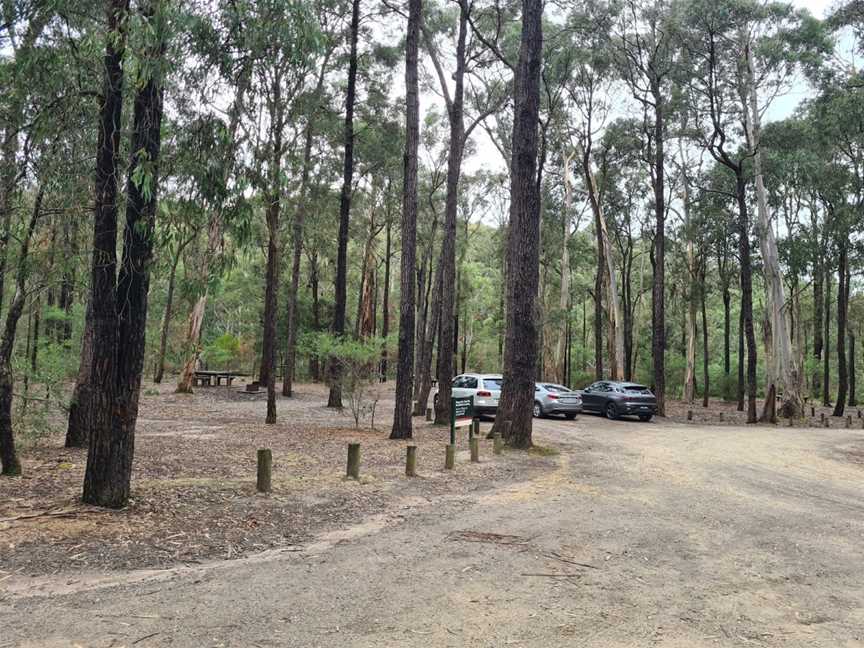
{"x": 616, "y": 399}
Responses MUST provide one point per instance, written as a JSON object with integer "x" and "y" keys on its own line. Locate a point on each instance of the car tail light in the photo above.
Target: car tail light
{"x": 484, "y": 394}
{"x": 552, "y": 396}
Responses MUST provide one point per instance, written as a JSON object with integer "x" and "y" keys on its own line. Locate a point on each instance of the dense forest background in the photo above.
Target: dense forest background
{"x": 700, "y": 175}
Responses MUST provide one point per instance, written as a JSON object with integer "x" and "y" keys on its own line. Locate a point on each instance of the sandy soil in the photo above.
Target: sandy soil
{"x": 634, "y": 535}
{"x": 194, "y": 498}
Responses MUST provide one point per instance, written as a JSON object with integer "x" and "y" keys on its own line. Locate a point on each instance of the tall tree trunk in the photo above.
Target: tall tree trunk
{"x": 314, "y": 360}
{"x": 691, "y": 290}
{"x": 705, "y": 377}
{"x": 297, "y": 241}
{"x": 598, "y": 315}
{"x": 727, "y": 331}
{"x": 335, "y": 397}
{"x": 853, "y": 399}
{"x": 385, "y": 314}
{"x": 520, "y": 348}
{"x": 842, "y": 317}
{"x": 741, "y": 379}
{"x": 616, "y": 317}
{"x": 274, "y": 208}
{"x": 747, "y": 294}
{"x": 564, "y": 300}
{"x": 448, "y": 244}
{"x": 818, "y": 325}
{"x": 402, "y": 428}
{"x": 658, "y": 290}
{"x": 9, "y": 462}
{"x": 90, "y": 399}
{"x": 426, "y": 342}
{"x": 109, "y": 460}
{"x": 787, "y": 372}
{"x": 826, "y": 359}
{"x": 166, "y": 316}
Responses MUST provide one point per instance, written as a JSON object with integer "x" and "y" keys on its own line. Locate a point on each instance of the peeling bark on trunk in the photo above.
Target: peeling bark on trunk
{"x": 616, "y": 316}
{"x": 787, "y": 372}
{"x": 564, "y": 299}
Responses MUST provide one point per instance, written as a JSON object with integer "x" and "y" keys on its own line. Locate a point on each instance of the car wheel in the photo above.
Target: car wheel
{"x": 645, "y": 417}
{"x": 570, "y": 417}
{"x": 538, "y": 411}
{"x": 611, "y": 412}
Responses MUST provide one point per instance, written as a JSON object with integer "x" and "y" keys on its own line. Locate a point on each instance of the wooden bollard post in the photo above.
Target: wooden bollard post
{"x": 791, "y": 421}
{"x": 428, "y": 413}
{"x": 721, "y": 417}
{"x": 497, "y": 443}
{"x": 353, "y": 460}
{"x": 859, "y": 413}
{"x": 812, "y": 411}
{"x": 265, "y": 470}
{"x": 474, "y": 443}
{"x": 825, "y": 421}
{"x": 449, "y": 456}
{"x": 411, "y": 461}
{"x": 848, "y": 421}
{"x": 689, "y": 415}
{"x": 822, "y": 418}
{"x": 475, "y": 427}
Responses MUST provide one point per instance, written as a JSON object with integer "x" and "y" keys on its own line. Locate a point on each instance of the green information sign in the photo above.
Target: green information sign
{"x": 461, "y": 414}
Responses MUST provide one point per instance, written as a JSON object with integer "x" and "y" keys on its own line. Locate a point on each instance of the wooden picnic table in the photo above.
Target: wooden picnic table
{"x": 206, "y": 378}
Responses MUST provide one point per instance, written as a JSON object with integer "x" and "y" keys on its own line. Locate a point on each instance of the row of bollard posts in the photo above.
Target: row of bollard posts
{"x": 265, "y": 457}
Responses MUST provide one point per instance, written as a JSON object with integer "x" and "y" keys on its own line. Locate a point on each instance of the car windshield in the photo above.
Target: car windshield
{"x": 556, "y": 388}
{"x": 493, "y": 383}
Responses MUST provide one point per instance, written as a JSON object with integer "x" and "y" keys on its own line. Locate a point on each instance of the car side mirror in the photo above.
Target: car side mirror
{"x": 587, "y": 390}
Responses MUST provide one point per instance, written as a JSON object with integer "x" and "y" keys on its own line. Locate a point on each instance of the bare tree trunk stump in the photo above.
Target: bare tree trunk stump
{"x": 411, "y": 461}
{"x": 449, "y": 456}
{"x": 353, "y": 460}
{"x": 265, "y": 470}
{"x": 475, "y": 449}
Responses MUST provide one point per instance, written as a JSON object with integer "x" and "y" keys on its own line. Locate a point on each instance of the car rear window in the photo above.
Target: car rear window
{"x": 493, "y": 383}
{"x": 639, "y": 389}
{"x": 556, "y": 388}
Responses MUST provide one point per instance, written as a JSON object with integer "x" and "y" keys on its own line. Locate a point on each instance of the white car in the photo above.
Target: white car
{"x": 485, "y": 388}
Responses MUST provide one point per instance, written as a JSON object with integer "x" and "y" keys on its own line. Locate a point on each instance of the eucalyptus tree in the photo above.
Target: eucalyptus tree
{"x": 402, "y": 428}
{"x": 282, "y": 39}
{"x": 454, "y": 99}
{"x": 590, "y": 92}
{"x": 334, "y": 398}
{"x": 118, "y": 297}
{"x": 520, "y": 348}
{"x": 647, "y": 47}
{"x": 716, "y": 105}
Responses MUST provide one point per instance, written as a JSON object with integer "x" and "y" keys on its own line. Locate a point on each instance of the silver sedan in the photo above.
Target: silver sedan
{"x": 550, "y": 399}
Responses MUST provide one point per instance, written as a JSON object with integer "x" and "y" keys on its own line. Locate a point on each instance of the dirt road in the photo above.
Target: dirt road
{"x": 644, "y": 535}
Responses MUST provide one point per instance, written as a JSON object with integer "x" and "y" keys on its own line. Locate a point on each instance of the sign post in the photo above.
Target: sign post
{"x": 461, "y": 414}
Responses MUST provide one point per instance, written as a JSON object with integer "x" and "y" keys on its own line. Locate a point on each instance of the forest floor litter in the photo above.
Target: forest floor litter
{"x": 673, "y": 533}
